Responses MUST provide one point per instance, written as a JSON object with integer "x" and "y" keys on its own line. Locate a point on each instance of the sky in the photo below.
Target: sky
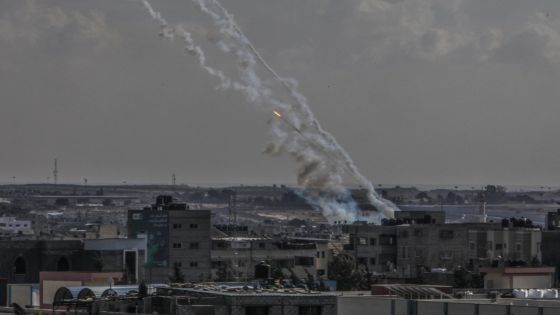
{"x": 417, "y": 91}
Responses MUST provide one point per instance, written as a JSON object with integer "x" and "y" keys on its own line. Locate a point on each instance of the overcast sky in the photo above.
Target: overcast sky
{"x": 418, "y": 91}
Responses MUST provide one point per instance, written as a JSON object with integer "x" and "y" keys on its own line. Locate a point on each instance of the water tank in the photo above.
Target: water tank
{"x": 262, "y": 271}
{"x": 163, "y": 200}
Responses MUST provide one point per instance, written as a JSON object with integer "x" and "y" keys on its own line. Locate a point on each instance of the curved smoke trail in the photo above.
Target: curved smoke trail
{"x": 322, "y": 161}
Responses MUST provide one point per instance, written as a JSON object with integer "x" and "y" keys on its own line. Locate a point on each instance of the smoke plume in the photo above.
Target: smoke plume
{"x": 323, "y": 163}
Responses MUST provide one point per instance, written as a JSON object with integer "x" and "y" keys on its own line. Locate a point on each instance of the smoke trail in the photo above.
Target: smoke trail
{"x": 323, "y": 162}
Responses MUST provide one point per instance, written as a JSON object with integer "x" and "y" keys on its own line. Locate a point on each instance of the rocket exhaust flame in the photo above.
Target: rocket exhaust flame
{"x": 322, "y": 161}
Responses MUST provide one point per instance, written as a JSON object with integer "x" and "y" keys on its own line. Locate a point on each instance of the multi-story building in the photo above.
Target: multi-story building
{"x": 234, "y": 258}
{"x": 413, "y": 244}
{"x": 11, "y": 226}
{"x": 373, "y": 246}
{"x": 178, "y": 238}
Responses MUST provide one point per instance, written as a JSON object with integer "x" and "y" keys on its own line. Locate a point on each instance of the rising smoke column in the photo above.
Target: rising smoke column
{"x": 322, "y": 161}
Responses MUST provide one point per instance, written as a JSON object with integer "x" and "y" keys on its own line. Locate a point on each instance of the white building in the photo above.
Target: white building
{"x": 10, "y": 225}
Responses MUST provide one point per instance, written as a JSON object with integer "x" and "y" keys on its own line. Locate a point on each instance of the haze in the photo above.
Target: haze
{"x": 424, "y": 91}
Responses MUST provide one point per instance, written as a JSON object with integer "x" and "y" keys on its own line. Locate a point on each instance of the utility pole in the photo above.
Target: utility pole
{"x": 55, "y": 172}
{"x": 174, "y": 179}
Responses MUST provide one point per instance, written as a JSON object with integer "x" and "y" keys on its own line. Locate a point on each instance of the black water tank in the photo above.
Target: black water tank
{"x": 262, "y": 271}
{"x": 163, "y": 200}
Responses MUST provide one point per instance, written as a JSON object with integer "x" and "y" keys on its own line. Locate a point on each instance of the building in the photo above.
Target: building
{"x": 177, "y": 238}
{"x": 413, "y": 244}
{"x": 240, "y": 299}
{"x": 10, "y": 226}
{"x": 518, "y": 277}
{"x": 373, "y": 246}
{"x": 22, "y": 261}
{"x": 234, "y": 258}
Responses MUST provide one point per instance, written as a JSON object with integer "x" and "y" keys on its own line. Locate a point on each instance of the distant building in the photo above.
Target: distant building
{"x": 177, "y": 237}
{"x": 420, "y": 217}
{"x": 11, "y": 226}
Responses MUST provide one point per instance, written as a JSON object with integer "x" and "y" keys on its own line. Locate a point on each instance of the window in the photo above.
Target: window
{"x": 372, "y": 261}
{"x": 63, "y": 264}
{"x": 323, "y": 254}
{"x": 256, "y": 310}
{"x": 446, "y": 234}
{"x": 193, "y": 264}
{"x": 362, "y": 241}
{"x": 193, "y": 245}
{"x": 320, "y": 272}
{"x": 137, "y": 216}
{"x": 498, "y": 246}
{"x": 372, "y": 241}
{"x": 518, "y": 247}
{"x": 20, "y": 267}
{"x": 309, "y": 310}
{"x": 177, "y": 226}
{"x": 178, "y": 264}
{"x": 177, "y": 245}
{"x": 404, "y": 234}
{"x": 471, "y": 245}
{"x": 193, "y": 226}
{"x": 362, "y": 261}
{"x": 262, "y": 245}
{"x": 318, "y": 254}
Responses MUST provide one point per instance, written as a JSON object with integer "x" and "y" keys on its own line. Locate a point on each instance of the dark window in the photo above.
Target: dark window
{"x": 310, "y": 310}
{"x": 404, "y": 234}
{"x": 193, "y": 264}
{"x": 498, "y": 246}
{"x": 177, "y": 225}
{"x": 446, "y": 234}
{"x": 372, "y": 261}
{"x": 261, "y": 245}
{"x": 20, "y": 267}
{"x": 177, "y": 245}
{"x": 323, "y": 254}
{"x": 193, "y": 226}
{"x": 256, "y": 310}
{"x": 372, "y": 241}
{"x": 303, "y": 261}
{"x": 193, "y": 245}
{"x": 63, "y": 264}
{"x": 178, "y": 264}
{"x": 320, "y": 272}
{"x": 362, "y": 261}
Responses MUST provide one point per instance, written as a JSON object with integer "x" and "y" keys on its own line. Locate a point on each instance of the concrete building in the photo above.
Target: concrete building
{"x": 412, "y": 248}
{"x": 234, "y": 258}
{"x": 518, "y": 277}
{"x": 373, "y": 246}
{"x": 10, "y": 226}
{"x": 177, "y": 237}
{"x": 22, "y": 261}
{"x": 551, "y": 250}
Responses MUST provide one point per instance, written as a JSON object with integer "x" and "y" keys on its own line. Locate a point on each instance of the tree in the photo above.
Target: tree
{"x": 178, "y": 276}
{"x": 342, "y": 269}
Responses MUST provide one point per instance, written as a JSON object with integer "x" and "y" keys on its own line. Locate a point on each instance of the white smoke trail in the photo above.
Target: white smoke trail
{"x": 322, "y": 160}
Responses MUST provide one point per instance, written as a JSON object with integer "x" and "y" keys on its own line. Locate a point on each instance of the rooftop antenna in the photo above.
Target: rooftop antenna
{"x": 85, "y": 181}
{"x": 55, "y": 172}
{"x": 14, "y": 179}
{"x": 174, "y": 179}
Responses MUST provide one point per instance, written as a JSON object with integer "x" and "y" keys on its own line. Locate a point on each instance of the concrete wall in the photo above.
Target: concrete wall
{"x": 376, "y": 305}
{"x": 532, "y": 281}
